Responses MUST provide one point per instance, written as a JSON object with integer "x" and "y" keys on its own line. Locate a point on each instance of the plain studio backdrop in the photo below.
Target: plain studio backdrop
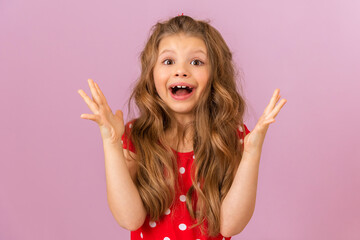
{"x": 52, "y": 173}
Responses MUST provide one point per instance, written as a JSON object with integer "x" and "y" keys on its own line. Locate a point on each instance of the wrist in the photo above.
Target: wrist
{"x": 112, "y": 142}
{"x": 254, "y": 153}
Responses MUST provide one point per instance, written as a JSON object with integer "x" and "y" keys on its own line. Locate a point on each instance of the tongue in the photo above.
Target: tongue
{"x": 181, "y": 92}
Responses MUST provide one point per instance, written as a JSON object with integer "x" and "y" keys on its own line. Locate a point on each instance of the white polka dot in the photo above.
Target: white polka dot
{"x": 122, "y": 142}
{"x": 182, "y": 227}
{"x": 240, "y": 129}
{"x": 193, "y": 156}
{"x": 141, "y": 235}
{"x": 182, "y": 198}
{"x": 130, "y": 125}
{"x": 241, "y": 141}
{"x": 182, "y": 170}
{"x": 167, "y": 212}
{"x": 223, "y": 238}
{"x": 152, "y": 224}
{"x": 166, "y": 238}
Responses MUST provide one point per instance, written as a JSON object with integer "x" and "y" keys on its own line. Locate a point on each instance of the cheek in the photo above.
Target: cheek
{"x": 160, "y": 79}
{"x": 162, "y": 75}
{"x": 203, "y": 78}
{"x": 158, "y": 87}
{"x": 156, "y": 77}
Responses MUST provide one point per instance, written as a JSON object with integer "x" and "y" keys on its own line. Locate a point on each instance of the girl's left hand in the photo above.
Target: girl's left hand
{"x": 253, "y": 141}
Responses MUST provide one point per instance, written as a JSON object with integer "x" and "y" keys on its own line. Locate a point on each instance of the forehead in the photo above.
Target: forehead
{"x": 183, "y": 43}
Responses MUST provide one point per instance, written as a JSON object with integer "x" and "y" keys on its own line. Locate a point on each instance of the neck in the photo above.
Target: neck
{"x": 174, "y": 136}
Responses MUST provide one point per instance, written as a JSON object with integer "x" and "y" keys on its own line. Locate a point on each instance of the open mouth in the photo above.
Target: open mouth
{"x": 181, "y": 90}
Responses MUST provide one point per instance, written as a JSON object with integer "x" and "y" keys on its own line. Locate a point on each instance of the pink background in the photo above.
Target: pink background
{"x": 52, "y": 176}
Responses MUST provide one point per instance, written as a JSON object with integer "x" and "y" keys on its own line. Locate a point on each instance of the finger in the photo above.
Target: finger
{"x": 101, "y": 95}
{"x": 269, "y": 121}
{"x": 273, "y": 101}
{"x": 91, "y": 104}
{"x": 278, "y": 98}
{"x": 94, "y": 92}
{"x": 90, "y": 117}
{"x": 276, "y": 110}
{"x": 119, "y": 113}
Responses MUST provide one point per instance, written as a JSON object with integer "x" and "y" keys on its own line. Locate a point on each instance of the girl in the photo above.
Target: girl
{"x": 187, "y": 167}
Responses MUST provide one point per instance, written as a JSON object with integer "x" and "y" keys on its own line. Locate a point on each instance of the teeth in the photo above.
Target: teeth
{"x": 180, "y": 87}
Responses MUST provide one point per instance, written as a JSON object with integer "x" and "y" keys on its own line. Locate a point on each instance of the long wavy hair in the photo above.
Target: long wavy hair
{"x": 217, "y": 115}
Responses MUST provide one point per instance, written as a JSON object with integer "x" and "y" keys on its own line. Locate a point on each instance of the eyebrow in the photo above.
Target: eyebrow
{"x": 196, "y": 51}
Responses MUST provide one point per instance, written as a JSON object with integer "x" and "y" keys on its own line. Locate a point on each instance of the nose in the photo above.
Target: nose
{"x": 183, "y": 74}
{"x": 181, "y": 71}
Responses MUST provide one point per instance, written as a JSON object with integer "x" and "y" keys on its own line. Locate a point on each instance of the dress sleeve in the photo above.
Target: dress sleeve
{"x": 126, "y": 142}
{"x": 240, "y": 131}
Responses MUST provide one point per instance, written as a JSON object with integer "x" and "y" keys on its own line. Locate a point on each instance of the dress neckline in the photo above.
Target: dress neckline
{"x": 183, "y": 153}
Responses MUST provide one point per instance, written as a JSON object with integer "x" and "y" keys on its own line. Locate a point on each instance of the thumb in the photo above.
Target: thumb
{"x": 119, "y": 114}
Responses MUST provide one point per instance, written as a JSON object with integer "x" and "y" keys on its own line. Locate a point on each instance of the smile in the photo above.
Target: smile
{"x": 181, "y": 92}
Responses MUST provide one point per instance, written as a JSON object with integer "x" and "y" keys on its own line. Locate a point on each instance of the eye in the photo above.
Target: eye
{"x": 198, "y": 61}
{"x": 166, "y": 60}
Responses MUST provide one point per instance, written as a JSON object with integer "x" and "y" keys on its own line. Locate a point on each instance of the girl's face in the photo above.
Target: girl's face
{"x": 182, "y": 61}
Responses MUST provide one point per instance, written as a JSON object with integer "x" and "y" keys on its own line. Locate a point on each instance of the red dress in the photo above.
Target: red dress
{"x": 176, "y": 228}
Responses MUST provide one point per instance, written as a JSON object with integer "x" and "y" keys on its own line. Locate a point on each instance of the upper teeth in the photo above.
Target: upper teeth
{"x": 181, "y": 87}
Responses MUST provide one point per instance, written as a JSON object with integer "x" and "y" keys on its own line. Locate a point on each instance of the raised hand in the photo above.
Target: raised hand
{"x": 254, "y": 140}
{"x": 111, "y": 126}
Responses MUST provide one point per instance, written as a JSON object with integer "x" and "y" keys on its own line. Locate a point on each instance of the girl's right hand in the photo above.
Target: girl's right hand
{"x": 111, "y": 126}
